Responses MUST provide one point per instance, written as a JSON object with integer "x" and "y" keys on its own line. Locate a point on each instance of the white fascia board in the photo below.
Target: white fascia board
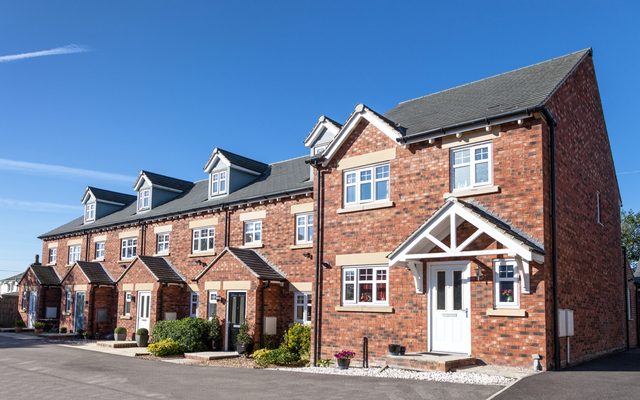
{"x": 88, "y": 196}
{"x": 109, "y": 202}
{"x": 361, "y": 112}
{"x": 216, "y": 155}
{"x": 323, "y": 122}
{"x": 142, "y": 178}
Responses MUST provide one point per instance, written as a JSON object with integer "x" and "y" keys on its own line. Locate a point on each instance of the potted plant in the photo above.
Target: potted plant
{"x": 394, "y": 349}
{"x": 86, "y": 335}
{"x": 215, "y": 333}
{"x": 63, "y": 329}
{"x": 38, "y": 327}
{"x": 142, "y": 337}
{"x": 120, "y": 334}
{"x": 19, "y": 325}
{"x": 343, "y": 357}
{"x": 243, "y": 339}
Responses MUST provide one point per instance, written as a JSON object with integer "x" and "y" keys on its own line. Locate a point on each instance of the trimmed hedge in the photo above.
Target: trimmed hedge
{"x": 163, "y": 348}
{"x": 191, "y": 334}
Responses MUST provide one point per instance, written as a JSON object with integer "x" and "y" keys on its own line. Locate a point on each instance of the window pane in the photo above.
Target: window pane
{"x": 299, "y": 313}
{"x": 506, "y": 292}
{"x": 365, "y": 191}
{"x": 457, "y": 290}
{"x": 381, "y": 275}
{"x": 366, "y": 292}
{"x": 382, "y": 190}
{"x": 300, "y": 236}
{"x": 482, "y": 154}
{"x": 349, "y": 294}
{"x": 365, "y": 274}
{"x": 381, "y": 292}
{"x": 441, "y": 285}
{"x": 461, "y": 157}
{"x": 461, "y": 177}
{"x": 349, "y": 275}
{"x": 310, "y": 233}
{"x": 351, "y": 194}
{"x": 382, "y": 171}
{"x": 482, "y": 172}
{"x": 351, "y": 178}
{"x": 506, "y": 271}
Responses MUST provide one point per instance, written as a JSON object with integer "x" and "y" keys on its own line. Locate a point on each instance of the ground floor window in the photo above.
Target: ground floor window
{"x": 127, "y": 303}
{"x": 506, "y": 284}
{"x": 365, "y": 285}
{"x": 212, "y": 306}
{"x": 68, "y": 301}
{"x": 194, "y": 304}
{"x": 302, "y": 311}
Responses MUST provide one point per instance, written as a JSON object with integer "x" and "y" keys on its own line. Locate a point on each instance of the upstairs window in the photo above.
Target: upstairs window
{"x": 218, "y": 183}
{"x": 128, "y": 248}
{"x": 304, "y": 228}
{"x": 162, "y": 243}
{"x": 53, "y": 255}
{"x": 365, "y": 285}
{"x": 253, "y": 233}
{"x": 203, "y": 240}
{"x": 366, "y": 185}
{"x": 99, "y": 250}
{"x": 471, "y": 166}
{"x": 74, "y": 253}
{"x": 507, "y": 292}
{"x": 90, "y": 212}
{"x": 144, "y": 200}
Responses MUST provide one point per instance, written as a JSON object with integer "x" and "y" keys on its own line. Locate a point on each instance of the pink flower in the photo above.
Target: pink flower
{"x": 344, "y": 355}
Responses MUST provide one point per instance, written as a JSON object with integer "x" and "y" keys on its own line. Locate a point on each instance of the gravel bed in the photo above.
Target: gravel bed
{"x": 451, "y": 377}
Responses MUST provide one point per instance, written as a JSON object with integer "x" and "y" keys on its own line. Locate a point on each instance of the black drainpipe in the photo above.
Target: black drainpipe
{"x": 226, "y": 227}
{"x": 624, "y": 297}
{"x": 87, "y": 248}
{"x": 143, "y": 247}
{"x": 551, "y": 122}
{"x": 316, "y": 297}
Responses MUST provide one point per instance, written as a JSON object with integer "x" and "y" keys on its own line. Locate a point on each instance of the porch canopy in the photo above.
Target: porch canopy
{"x": 462, "y": 229}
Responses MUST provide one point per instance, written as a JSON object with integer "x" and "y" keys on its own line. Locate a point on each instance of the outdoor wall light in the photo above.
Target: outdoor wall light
{"x": 200, "y": 263}
{"x": 479, "y": 274}
{"x": 307, "y": 255}
{"x": 326, "y": 265}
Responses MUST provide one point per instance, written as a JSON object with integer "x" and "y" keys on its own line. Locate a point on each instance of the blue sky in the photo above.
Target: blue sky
{"x": 158, "y": 85}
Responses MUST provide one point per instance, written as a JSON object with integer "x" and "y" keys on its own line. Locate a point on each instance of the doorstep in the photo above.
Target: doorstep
{"x": 117, "y": 344}
{"x": 58, "y": 336}
{"x": 118, "y": 351}
{"x": 211, "y": 355}
{"x": 430, "y": 361}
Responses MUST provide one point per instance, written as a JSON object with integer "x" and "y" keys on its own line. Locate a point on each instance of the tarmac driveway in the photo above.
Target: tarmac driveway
{"x": 36, "y": 369}
{"x": 613, "y": 377}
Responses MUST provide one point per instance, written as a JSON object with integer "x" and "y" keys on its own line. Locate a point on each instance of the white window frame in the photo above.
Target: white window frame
{"x": 197, "y": 238}
{"x": 68, "y": 301}
{"x": 53, "y": 255}
{"x": 99, "y": 250}
{"x": 305, "y": 305}
{"x": 212, "y": 298}
{"x": 357, "y": 172}
{"x": 144, "y": 199}
{"x": 218, "y": 183}
{"x": 472, "y": 165}
{"x": 127, "y": 304}
{"x": 194, "y": 301}
{"x": 163, "y": 240}
{"x": 128, "y": 248}
{"x": 304, "y": 221}
{"x": 74, "y": 253}
{"x": 497, "y": 286}
{"x": 90, "y": 212}
{"x": 252, "y": 228}
{"x": 356, "y": 282}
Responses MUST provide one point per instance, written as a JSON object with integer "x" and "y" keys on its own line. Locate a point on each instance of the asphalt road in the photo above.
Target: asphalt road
{"x": 613, "y": 377}
{"x": 35, "y": 369}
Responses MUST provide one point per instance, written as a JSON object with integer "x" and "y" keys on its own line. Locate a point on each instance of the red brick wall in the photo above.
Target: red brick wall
{"x": 137, "y": 274}
{"x": 46, "y": 297}
{"x": 590, "y": 263}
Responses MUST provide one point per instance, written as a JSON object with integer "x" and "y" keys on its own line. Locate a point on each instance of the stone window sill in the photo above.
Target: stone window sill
{"x": 506, "y": 312}
{"x": 202, "y": 254}
{"x": 365, "y": 309}
{"x": 125, "y": 261}
{"x": 301, "y": 246}
{"x": 98, "y": 260}
{"x": 161, "y": 254}
{"x": 51, "y": 264}
{"x": 125, "y": 317}
{"x": 473, "y": 191}
{"x": 365, "y": 207}
{"x": 252, "y": 246}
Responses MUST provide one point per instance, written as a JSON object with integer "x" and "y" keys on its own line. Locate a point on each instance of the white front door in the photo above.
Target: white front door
{"x": 144, "y": 308}
{"x": 33, "y": 306}
{"x": 449, "y": 297}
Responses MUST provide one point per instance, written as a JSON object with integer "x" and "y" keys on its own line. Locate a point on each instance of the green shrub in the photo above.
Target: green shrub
{"x": 297, "y": 340}
{"x": 192, "y": 334}
{"x": 215, "y": 331}
{"x": 325, "y": 362}
{"x": 142, "y": 332}
{"x": 39, "y": 325}
{"x": 279, "y": 356}
{"x": 120, "y": 330}
{"x": 163, "y": 348}
{"x": 244, "y": 336}
{"x": 270, "y": 342}
{"x": 20, "y": 323}
{"x": 63, "y": 330}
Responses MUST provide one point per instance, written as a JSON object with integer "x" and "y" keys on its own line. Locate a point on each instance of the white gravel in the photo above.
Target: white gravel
{"x": 451, "y": 377}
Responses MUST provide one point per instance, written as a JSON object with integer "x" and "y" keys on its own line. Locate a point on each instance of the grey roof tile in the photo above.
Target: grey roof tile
{"x": 161, "y": 269}
{"x": 256, "y": 263}
{"x": 167, "y": 181}
{"x": 109, "y": 195}
{"x": 242, "y": 161}
{"x": 521, "y": 89}
{"x": 95, "y": 272}
{"x": 45, "y": 275}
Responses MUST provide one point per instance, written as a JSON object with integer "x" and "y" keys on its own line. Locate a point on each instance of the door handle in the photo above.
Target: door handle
{"x": 466, "y": 312}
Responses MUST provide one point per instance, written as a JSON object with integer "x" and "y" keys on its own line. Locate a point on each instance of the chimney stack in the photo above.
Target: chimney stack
{"x": 37, "y": 259}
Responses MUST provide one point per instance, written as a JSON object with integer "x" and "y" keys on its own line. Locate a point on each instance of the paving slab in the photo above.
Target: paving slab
{"x": 126, "y": 351}
{"x": 211, "y": 355}
{"x": 117, "y": 344}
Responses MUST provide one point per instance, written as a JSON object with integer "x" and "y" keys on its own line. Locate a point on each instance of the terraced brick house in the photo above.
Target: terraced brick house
{"x": 480, "y": 221}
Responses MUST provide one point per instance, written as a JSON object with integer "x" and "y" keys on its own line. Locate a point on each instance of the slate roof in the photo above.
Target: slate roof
{"x": 279, "y": 178}
{"x": 517, "y": 90}
{"x": 16, "y": 277}
{"x": 95, "y": 272}
{"x": 161, "y": 269}
{"x": 115, "y": 197}
{"x": 45, "y": 275}
{"x": 167, "y": 181}
{"x": 244, "y": 162}
{"x": 252, "y": 260}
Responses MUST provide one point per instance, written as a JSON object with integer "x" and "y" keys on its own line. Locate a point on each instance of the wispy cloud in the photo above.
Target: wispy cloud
{"x": 629, "y": 172}
{"x": 37, "y": 206}
{"x": 57, "y": 51}
{"x": 59, "y": 170}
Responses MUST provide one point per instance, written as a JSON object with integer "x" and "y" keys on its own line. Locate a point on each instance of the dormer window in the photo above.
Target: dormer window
{"x": 218, "y": 183}
{"x": 144, "y": 199}
{"x": 89, "y": 212}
